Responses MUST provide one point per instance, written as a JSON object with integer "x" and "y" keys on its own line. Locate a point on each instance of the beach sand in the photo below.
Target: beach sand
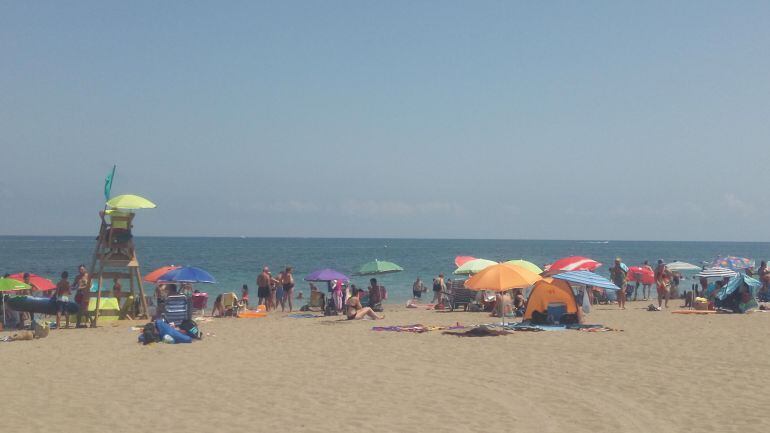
{"x": 663, "y": 373}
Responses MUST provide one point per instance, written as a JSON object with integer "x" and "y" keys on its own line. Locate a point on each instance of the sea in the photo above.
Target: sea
{"x": 238, "y": 261}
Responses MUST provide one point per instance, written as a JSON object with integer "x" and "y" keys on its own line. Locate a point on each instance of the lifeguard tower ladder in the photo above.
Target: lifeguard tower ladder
{"x": 115, "y": 257}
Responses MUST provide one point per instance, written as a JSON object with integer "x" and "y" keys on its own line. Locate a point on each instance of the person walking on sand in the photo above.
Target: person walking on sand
{"x": 264, "y": 281}
{"x": 663, "y": 283}
{"x": 618, "y": 277}
{"x": 62, "y": 294}
{"x": 288, "y": 288}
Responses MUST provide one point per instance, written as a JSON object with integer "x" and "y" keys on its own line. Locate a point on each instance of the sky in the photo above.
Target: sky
{"x": 614, "y": 120}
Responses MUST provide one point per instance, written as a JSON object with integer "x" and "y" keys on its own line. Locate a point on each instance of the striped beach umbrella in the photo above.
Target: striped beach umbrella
{"x": 716, "y": 272}
{"x": 587, "y": 278}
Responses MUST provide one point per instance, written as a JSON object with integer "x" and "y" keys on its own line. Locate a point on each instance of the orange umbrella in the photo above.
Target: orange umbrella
{"x": 153, "y": 276}
{"x": 502, "y": 277}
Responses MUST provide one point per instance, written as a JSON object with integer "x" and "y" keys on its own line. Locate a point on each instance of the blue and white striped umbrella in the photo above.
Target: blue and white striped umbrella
{"x": 587, "y": 278}
{"x": 716, "y": 272}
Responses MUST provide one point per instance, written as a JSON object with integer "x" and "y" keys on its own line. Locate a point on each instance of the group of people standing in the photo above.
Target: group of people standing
{"x": 272, "y": 291}
{"x": 63, "y": 294}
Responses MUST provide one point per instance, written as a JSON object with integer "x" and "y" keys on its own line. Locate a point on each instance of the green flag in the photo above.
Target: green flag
{"x": 108, "y": 184}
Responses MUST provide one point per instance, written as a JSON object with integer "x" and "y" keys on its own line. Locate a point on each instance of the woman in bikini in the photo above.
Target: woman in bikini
{"x": 356, "y": 311}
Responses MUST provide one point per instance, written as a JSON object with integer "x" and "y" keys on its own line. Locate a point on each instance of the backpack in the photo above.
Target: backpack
{"x": 150, "y": 334}
{"x": 191, "y": 328}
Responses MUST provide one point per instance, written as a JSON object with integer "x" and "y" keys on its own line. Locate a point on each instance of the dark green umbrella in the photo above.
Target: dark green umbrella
{"x": 378, "y": 267}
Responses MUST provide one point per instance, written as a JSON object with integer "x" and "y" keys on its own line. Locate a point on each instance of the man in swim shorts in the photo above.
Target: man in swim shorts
{"x": 264, "y": 281}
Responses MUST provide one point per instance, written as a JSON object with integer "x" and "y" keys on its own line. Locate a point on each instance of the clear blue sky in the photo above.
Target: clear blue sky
{"x": 567, "y": 120}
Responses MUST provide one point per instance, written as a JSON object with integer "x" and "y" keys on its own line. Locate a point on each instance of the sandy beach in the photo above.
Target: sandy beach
{"x": 664, "y": 372}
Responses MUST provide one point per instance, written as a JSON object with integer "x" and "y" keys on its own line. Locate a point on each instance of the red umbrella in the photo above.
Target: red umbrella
{"x": 574, "y": 263}
{"x": 642, "y": 274}
{"x": 41, "y": 283}
{"x": 461, "y": 260}
{"x": 153, "y": 276}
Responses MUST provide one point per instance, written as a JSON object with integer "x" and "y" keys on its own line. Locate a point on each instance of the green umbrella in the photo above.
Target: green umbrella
{"x": 526, "y": 265}
{"x": 378, "y": 267}
{"x": 474, "y": 266}
{"x": 9, "y": 284}
{"x": 130, "y": 201}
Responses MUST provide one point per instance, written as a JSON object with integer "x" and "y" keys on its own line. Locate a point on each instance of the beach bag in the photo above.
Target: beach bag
{"x": 150, "y": 334}
{"x": 191, "y": 328}
{"x": 539, "y": 318}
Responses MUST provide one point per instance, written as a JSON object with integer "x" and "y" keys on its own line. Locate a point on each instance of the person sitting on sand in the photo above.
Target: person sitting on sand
{"x": 356, "y": 311}
{"x": 519, "y": 303}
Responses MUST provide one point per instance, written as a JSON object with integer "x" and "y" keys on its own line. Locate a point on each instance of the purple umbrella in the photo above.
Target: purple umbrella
{"x": 327, "y": 275}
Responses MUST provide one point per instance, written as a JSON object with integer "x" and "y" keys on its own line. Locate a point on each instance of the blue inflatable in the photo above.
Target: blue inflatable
{"x": 33, "y": 304}
{"x": 166, "y": 329}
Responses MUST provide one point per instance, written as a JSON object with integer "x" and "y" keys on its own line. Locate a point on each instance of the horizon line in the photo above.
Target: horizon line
{"x": 214, "y": 236}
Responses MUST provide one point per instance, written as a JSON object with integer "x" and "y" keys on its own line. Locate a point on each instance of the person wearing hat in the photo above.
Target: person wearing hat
{"x": 618, "y": 277}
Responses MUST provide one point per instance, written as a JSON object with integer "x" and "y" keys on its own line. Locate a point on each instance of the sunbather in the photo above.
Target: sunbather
{"x": 356, "y": 311}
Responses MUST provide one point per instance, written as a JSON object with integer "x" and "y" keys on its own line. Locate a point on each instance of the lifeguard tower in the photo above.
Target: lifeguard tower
{"x": 115, "y": 256}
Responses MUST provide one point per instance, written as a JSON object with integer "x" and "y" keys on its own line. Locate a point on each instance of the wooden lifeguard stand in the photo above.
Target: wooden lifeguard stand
{"x": 115, "y": 257}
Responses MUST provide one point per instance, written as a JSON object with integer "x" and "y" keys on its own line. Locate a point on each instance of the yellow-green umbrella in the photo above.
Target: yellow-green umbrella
{"x": 474, "y": 266}
{"x": 130, "y": 201}
{"x": 526, "y": 265}
{"x": 9, "y": 284}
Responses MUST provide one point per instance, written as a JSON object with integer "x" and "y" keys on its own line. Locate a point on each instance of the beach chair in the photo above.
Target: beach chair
{"x": 199, "y": 303}
{"x": 317, "y": 301}
{"x": 460, "y": 296}
{"x": 176, "y": 309}
{"x": 230, "y": 304}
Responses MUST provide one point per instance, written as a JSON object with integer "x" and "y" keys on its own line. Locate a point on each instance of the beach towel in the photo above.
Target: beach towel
{"x": 479, "y": 331}
{"x": 417, "y": 328}
{"x": 304, "y": 316}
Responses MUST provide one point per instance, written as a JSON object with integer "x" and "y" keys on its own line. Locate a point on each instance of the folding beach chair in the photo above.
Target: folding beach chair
{"x": 230, "y": 304}
{"x": 176, "y": 309}
{"x": 317, "y": 301}
{"x": 199, "y": 303}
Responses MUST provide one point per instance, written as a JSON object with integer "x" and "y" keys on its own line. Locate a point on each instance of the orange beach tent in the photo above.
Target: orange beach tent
{"x": 549, "y": 291}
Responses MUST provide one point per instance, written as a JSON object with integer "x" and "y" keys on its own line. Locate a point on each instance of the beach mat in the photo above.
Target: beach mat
{"x": 479, "y": 331}
{"x": 304, "y": 316}
{"x": 417, "y": 328}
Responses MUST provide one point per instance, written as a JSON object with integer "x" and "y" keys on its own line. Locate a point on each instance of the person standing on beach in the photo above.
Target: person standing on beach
{"x": 83, "y": 294}
{"x": 439, "y": 287}
{"x": 62, "y": 298}
{"x": 646, "y": 287}
{"x": 663, "y": 283}
{"x": 264, "y": 280}
{"x": 288, "y": 288}
{"x": 618, "y": 277}
{"x": 33, "y": 291}
{"x": 276, "y": 291}
{"x": 763, "y": 274}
